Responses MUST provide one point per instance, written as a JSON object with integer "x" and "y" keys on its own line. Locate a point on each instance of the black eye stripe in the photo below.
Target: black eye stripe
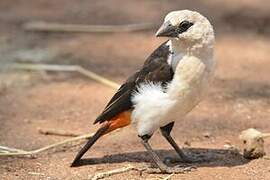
{"x": 184, "y": 26}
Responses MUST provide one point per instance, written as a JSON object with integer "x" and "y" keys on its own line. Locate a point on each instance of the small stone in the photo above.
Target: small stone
{"x": 27, "y": 120}
{"x": 227, "y": 142}
{"x": 187, "y": 143}
{"x": 207, "y": 134}
{"x": 227, "y": 146}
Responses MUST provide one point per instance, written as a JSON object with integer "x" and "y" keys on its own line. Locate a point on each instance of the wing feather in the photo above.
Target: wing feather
{"x": 155, "y": 69}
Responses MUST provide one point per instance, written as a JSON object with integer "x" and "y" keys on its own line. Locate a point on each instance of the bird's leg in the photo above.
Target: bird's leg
{"x": 163, "y": 168}
{"x": 155, "y": 157}
{"x": 166, "y": 132}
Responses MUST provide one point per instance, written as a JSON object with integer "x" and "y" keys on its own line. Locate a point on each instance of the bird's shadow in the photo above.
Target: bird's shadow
{"x": 203, "y": 157}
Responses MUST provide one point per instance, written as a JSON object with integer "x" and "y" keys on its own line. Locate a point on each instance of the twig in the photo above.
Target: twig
{"x": 57, "y": 132}
{"x": 4, "y": 149}
{"x": 168, "y": 177}
{"x": 65, "y": 68}
{"x": 112, "y": 172}
{"x": 33, "y": 152}
{"x": 36, "y": 173}
{"x": 58, "y": 27}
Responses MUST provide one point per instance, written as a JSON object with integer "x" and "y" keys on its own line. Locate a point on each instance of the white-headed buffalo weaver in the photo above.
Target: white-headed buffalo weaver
{"x": 170, "y": 83}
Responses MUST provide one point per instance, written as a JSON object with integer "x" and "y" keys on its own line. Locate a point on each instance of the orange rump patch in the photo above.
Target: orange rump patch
{"x": 119, "y": 121}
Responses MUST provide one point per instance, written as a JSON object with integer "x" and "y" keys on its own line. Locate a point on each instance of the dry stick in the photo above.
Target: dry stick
{"x": 65, "y": 68}
{"x": 85, "y": 136}
{"x": 57, "y": 27}
{"x": 168, "y": 177}
{"x": 112, "y": 172}
{"x": 4, "y": 149}
{"x": 57, "y": 132}
{"x": 33, "y": 152}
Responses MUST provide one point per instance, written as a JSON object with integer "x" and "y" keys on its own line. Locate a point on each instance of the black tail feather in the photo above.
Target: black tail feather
{"x": 89, "y": 144}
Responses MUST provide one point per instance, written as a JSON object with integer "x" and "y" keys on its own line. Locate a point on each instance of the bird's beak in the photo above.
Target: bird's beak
{"x": 167, "y": 30}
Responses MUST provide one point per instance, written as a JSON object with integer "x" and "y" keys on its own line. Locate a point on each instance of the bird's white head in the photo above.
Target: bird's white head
{"x": 187, "y": 28}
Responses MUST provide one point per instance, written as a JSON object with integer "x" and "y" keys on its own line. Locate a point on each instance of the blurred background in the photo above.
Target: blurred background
{"x": 29, "y": 100}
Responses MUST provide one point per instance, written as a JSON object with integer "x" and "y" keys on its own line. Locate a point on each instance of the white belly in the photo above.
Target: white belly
{"x": 154, "y": 108}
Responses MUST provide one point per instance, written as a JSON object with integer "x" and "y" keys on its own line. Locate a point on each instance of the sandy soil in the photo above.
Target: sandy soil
{"x": 238, "y": 99}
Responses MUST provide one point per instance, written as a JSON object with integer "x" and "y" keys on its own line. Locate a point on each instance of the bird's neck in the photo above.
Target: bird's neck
{"x": 197, "y": 49}
{"x": 202, "y": 51}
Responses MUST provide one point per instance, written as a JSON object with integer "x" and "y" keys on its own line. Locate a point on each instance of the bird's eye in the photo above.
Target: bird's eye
{"x": 184, "y": 25}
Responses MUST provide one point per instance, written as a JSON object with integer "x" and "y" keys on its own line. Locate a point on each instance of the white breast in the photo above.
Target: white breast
{"x": 154, "y": 108}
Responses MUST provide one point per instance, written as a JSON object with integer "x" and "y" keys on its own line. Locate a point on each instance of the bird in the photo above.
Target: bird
{"x": 170, "y": 83}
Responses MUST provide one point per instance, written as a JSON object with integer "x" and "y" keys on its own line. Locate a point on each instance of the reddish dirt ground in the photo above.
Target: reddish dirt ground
{"x": 238, "y": 99}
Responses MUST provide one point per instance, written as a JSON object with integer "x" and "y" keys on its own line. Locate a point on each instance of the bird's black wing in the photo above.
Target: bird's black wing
{"x": 155, "y": 69}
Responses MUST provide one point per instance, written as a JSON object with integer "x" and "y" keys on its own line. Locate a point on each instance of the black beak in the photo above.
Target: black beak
{"x": 167, "y": 30}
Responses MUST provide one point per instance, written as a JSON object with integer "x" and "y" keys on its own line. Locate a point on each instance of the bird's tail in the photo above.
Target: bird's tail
{"x": 100, "y": 132}
{"x": 119, "y": 121}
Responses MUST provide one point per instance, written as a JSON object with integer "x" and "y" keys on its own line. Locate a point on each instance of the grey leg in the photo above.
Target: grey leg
{"x": 163, "y": 168}
{"x": 166, "y": 132}
{"x": 159, "y": 163}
